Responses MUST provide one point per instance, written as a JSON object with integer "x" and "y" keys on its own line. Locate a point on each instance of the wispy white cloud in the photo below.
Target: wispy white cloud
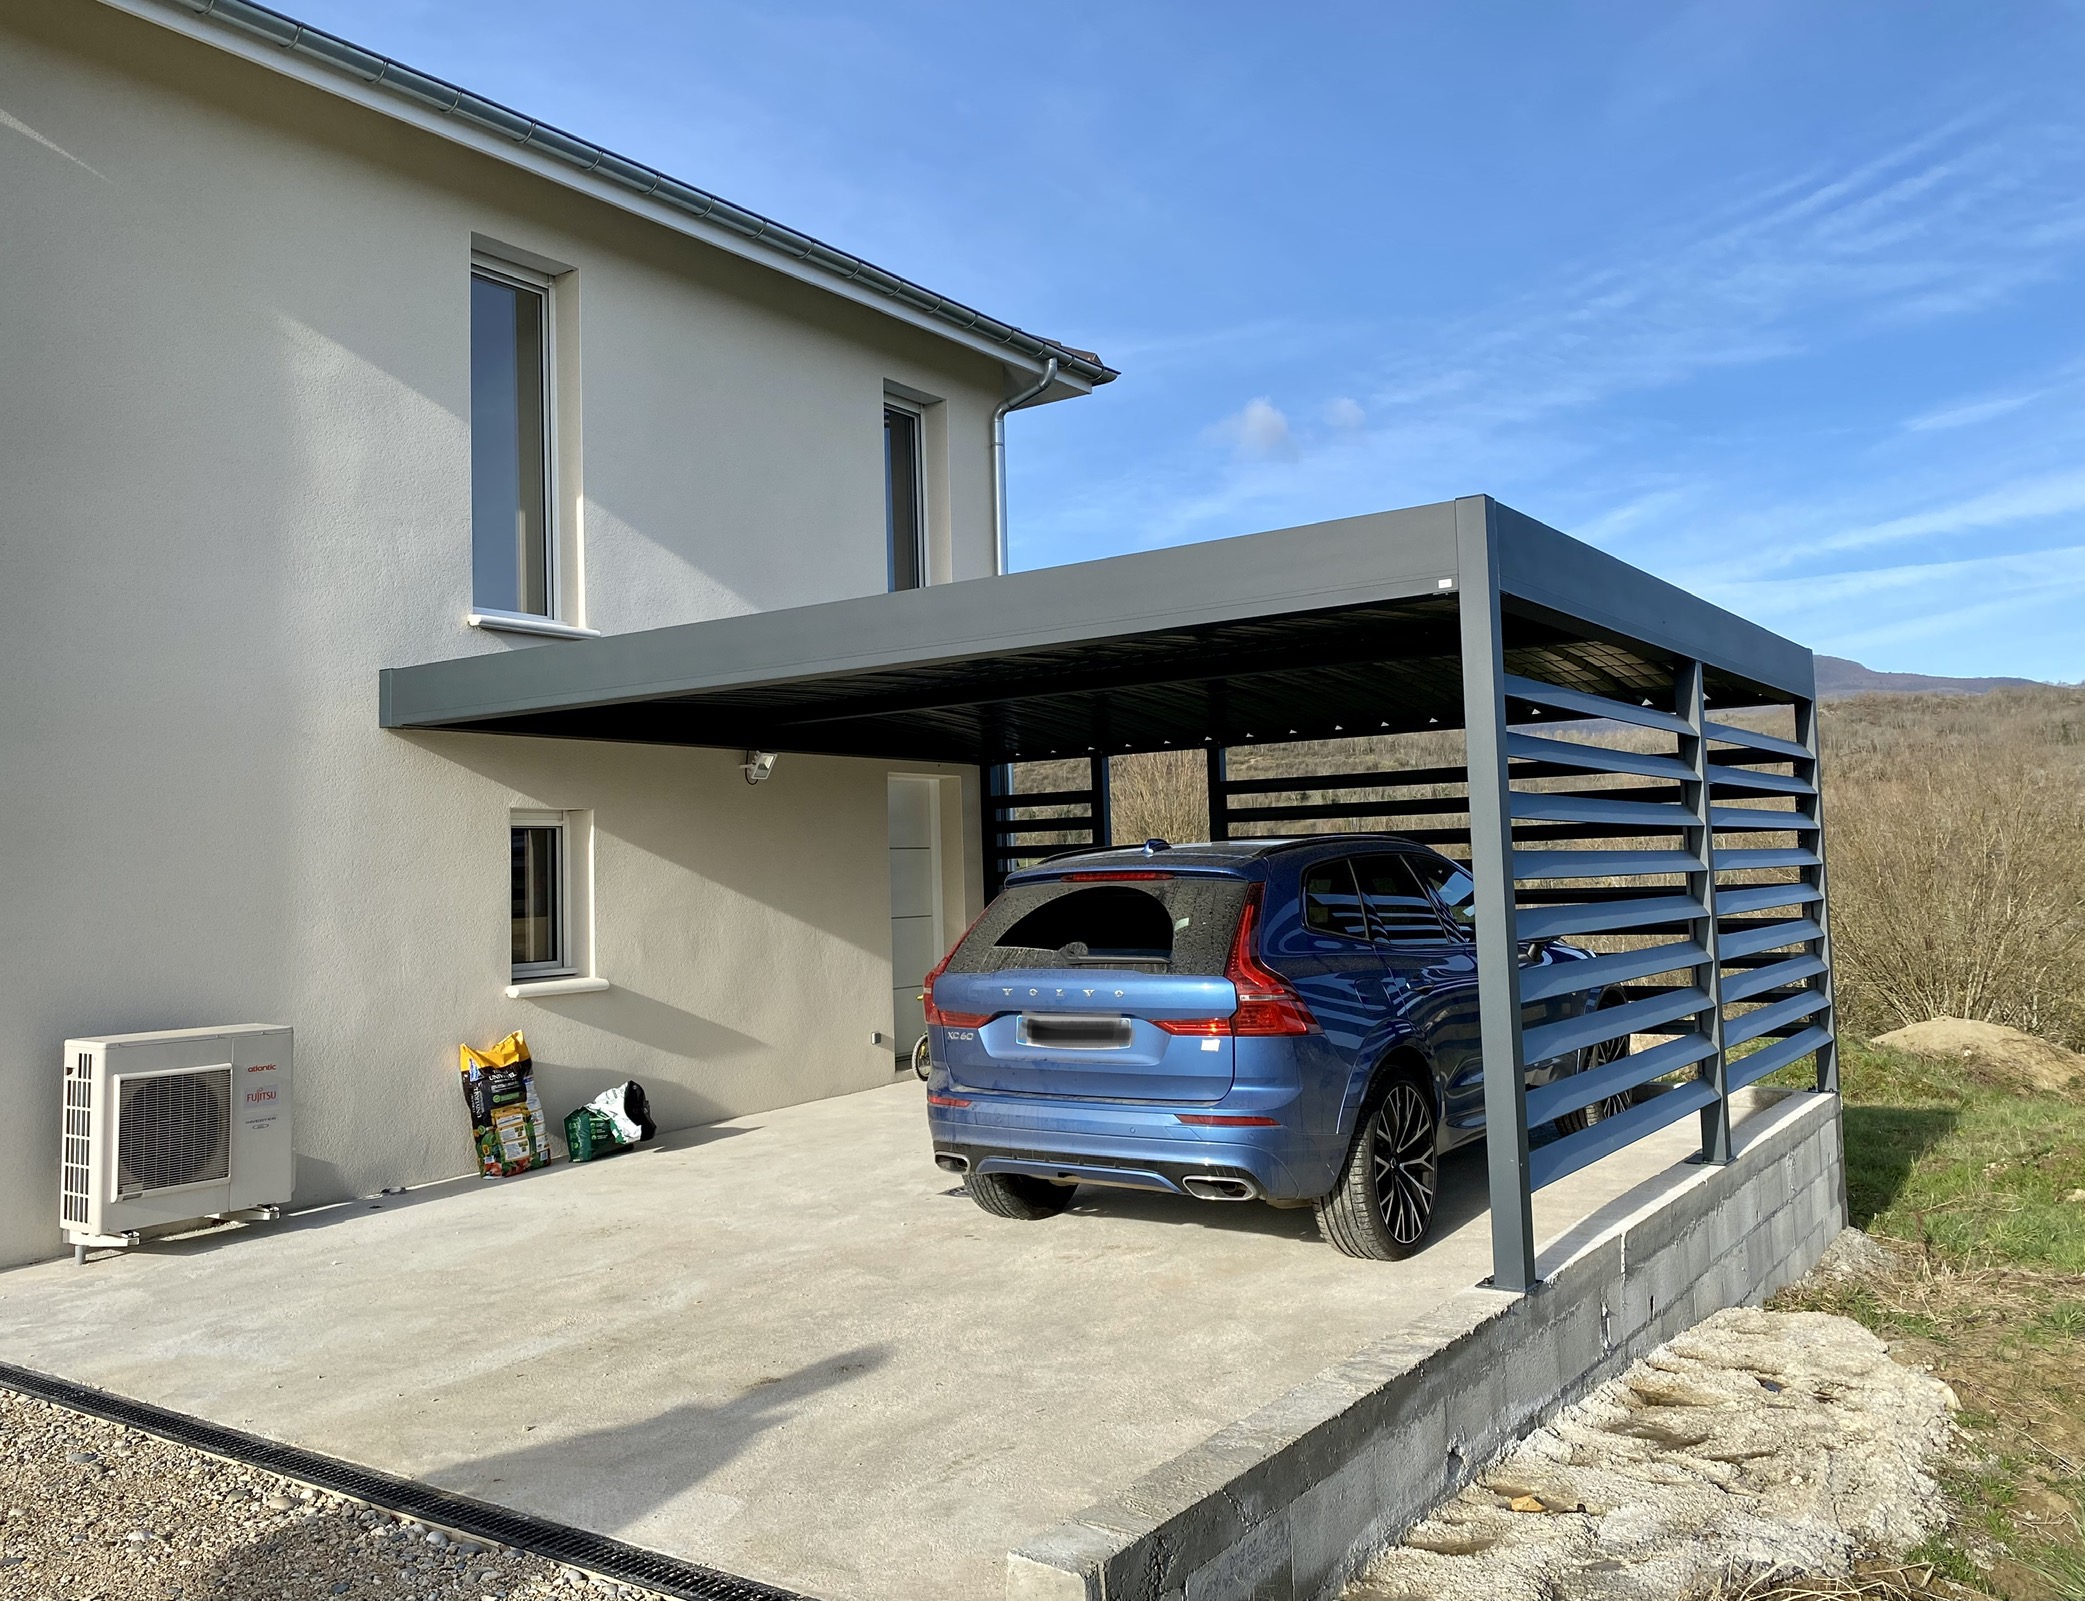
{"x": 1259, "y": 431}
{"x": 1968, "y": 414}
{"x": 2025, "y": 500}
{"x": 1344, "y": 414}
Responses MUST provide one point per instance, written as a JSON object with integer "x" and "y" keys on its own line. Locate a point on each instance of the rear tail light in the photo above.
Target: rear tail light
{"x": 1266, "y": 1003}
{"x": 1113, "y": 878}
{"x": 935, "y": 1015}
{"x": 1193, "y": 1025}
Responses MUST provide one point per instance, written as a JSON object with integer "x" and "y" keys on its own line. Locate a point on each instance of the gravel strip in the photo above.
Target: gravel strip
{"x": 94, "y": 1511}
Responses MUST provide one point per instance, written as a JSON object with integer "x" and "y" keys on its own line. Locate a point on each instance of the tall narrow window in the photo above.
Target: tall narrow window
{"x": 511, "y": 563}
{"x": 541, "y": 931}
{"x": 904, "y": 521}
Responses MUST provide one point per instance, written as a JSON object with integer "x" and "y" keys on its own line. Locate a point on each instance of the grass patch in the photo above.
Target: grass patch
{"x": 1972, "y": 1173}
{"x": 1971, "y": 1180}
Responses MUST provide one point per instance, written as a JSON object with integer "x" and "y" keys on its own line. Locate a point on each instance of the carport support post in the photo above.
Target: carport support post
{"x": 1491, "y": 865}
{"x": 1694, "y": 751}
{"x": 1219, "y": 794}
{"x": 1101, "y": 808}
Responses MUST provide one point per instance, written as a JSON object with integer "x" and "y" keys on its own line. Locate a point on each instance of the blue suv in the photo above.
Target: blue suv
{"x": 1290, "y": 1021}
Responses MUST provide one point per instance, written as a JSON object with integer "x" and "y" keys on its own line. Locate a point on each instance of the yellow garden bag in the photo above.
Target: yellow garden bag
{"x": 499, "y": 1087}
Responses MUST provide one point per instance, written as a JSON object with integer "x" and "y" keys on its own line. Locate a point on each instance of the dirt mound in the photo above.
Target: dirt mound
{"x": 2006, "y": 1054}
{"x": 1756, "y": 1443}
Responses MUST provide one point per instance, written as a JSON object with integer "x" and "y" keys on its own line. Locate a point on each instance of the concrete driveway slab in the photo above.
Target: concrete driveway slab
{"x": 786, "y": 1346}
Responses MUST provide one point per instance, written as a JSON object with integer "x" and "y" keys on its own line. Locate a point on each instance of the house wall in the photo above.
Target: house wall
{"x": 234, "y": 404}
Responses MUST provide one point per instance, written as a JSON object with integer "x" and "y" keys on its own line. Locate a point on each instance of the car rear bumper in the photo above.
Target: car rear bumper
{"x": 1125, "y": 1146}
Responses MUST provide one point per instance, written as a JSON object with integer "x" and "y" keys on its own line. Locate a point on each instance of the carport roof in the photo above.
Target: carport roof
{"x": 1324, "y": 631}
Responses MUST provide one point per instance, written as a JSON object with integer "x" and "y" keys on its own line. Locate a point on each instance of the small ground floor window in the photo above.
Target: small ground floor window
{"x": 549, "y": 889}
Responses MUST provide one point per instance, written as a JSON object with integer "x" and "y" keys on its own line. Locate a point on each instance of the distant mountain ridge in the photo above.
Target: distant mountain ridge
{"x": 1838, "y": 679}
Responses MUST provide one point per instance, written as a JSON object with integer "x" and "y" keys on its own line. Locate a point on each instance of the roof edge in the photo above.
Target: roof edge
{"x": 367, "y": 70}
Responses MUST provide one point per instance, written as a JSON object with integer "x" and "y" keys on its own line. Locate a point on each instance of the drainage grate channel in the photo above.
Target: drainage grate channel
{"x": 611, "y": 1559}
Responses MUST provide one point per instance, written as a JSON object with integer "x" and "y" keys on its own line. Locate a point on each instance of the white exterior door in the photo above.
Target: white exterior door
{"x": 915, "y": 901}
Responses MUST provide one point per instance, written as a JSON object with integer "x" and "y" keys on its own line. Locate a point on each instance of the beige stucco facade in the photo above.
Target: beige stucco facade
{"x": 234, "y": 440}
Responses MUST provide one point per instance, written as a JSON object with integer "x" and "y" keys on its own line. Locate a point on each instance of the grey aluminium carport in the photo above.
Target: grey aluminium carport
{"x": 1690, "y": 846}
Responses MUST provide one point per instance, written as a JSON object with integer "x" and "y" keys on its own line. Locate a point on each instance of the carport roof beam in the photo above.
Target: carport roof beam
{"x": 1337, "y": 628}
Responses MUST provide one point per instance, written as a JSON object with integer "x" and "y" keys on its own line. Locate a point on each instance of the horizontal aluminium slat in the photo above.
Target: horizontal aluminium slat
{"x": 1552, "y": 1040}
{"x": 1049, "y": 797}
{"x": 1775, "y": 975}
{"x": 1578, "y": 700}
{"x": 1762, "y": 897}
{"x": 1727, "y": 734}
{"x": 1772, "y": 1058}
{"x": 1591, "y": 917}
{"x": 1401, "y": 778}
{"x": 1738, "y": 861}
{"x": 1416, "y": 806}
{"x": 1596, "y": 758}
{"x": 1603, "y": 864}
{"x": 1597, "y": 972}
{"x": 1734, "y": 942}
{"x": 1551, "y": 807}
{"x": 1560, "y": 1158}
{"x": 1737, "y": 1030}
{"x": 1730, "y": 819}
{"x": 1611, "y": 1078}
{"x": 1721, "y": 777}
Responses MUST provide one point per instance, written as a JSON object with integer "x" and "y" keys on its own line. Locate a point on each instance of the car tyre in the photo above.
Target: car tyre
{"x": 1383, "y": 1205}
{"x": 1599, "y": 1056}
{"x": 1017, "y": 1195}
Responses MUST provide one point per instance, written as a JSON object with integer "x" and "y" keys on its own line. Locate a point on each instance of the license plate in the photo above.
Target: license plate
{"x": 1074, "y": 1033}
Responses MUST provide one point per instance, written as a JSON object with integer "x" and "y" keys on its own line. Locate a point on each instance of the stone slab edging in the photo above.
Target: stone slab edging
{"x": 1291, "y": 1502}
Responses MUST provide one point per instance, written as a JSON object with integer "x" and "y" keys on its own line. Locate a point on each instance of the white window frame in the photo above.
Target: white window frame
{"x": 554, "y": 622}
{"x": 574, "y": 973}
{"x": 921, "y": 511}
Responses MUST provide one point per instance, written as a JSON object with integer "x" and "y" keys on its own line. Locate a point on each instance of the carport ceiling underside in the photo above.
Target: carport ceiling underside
{"x": 1324, "y": 632}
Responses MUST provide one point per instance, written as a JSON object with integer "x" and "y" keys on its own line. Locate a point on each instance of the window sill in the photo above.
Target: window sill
{"x": 514, "y": 622}
{"x": 529, "y": 988}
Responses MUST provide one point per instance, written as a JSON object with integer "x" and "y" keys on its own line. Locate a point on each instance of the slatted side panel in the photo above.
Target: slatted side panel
{"x": 1611, "y": 845}
{"x": 1022, "y": 828}
{"x": 1770, "y": 882}
{"x": 1428, "y": 804}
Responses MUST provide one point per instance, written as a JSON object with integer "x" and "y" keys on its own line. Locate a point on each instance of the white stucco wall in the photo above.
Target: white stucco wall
{"x": 234, "y": 402}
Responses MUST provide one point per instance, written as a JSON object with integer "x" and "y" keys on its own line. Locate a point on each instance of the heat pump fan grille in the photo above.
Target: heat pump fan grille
{"x": 79, "y": 1138}
{"x": 173, "y": 1128}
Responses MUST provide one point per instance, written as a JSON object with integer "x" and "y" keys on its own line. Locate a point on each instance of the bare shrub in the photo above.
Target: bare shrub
{"x": 1955, "y": 832}
{"x": 1159, "y": 795}
{"x": 1958, "y": 890}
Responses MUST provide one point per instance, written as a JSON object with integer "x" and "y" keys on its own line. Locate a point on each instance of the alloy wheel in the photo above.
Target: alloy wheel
{"x": 1403, "y": 1162}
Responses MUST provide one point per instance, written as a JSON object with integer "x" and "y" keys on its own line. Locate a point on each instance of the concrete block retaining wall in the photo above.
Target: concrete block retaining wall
{"x": 1290, "y": 1503}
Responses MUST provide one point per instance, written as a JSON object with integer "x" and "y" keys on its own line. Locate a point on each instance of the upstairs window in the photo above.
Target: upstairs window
{"x": 905, "y": 523}
{"x": 513, "y": 563}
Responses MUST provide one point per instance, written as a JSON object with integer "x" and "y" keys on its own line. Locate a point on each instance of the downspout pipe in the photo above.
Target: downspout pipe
{"x": 1011, "y": 403}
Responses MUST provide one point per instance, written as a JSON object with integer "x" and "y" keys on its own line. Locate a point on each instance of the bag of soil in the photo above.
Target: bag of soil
{"x": 614, "y": 1120}
{"x": 499, "y": 1087}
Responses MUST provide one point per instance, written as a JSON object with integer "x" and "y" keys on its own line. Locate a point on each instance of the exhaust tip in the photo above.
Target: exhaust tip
{"x": 950, "y": 1162}
{"x": 1219, "y": 1187}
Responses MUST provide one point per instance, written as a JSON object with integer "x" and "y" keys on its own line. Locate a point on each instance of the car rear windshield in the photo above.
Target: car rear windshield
{"x": 1167, "y": 925}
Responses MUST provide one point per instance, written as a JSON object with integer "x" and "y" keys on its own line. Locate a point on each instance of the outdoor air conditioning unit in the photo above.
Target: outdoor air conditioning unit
{"x": 174, "y": 1128}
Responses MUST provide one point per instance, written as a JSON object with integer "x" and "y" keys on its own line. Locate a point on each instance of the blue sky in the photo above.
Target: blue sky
{"x": 1784, "y": 302}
